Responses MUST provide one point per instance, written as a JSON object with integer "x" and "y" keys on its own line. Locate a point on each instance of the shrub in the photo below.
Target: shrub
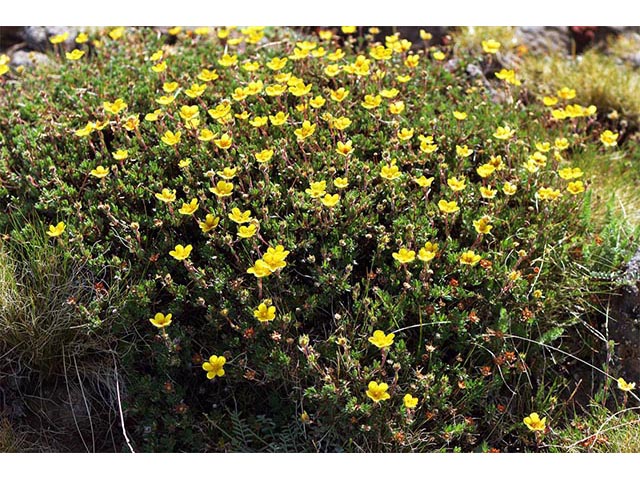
{"x": 410, "y": 202}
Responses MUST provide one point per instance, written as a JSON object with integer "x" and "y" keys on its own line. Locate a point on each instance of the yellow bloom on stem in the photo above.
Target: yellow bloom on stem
{"x": 274, "y": 259}
{"x": 410, "y": 401}
{"x": 278, "y": 119}
{"x": 86, "y": 130}
{"x": 159, "y": 67}
{"x": 608, "y": 138}
{"x": 341, "y": 123}
{"x": 404, "y": 255}
{"x": 116, "y": 107}
{"x": 545, "y": 193}
{"x": 390, "y": 171}
{"x": 317, "y": 189}
{"x": 338, "y": 95}
{"x": 224, "y": 142}
{"x": 55, "y": 39}
{"x": 99, "y": 172}
{"x": 509, "y": 188}
{"x": 166, "y": 196}
{"x": 170, "y": 138}
{"x": 120, "y": 154}
{"x": 228, "y": 172}
{"x": 228, "y": 60}
{"x": 116, "y": 33}
{"x": 487, "y": 192}
{"x": 189, "y": 208}
{"x": 561, "y": 143}
{"x": 405, "y": 134}
{"x": 341, "y": 182}
{"x": 344, "y": 149}
{"x": 569, "y": 173}
{"x": 428, "y": 252}
{"x": 456, "y": 184}
{"x": 75, "y": 54}
{"x": 448, "y": 207}
{"x": 423, "y": 181}
{"x": 240, "y": 217}
{"x": 265, "y": 313}
{"x": 371, "y": 101}
{"x": 348, "y": 30}
{"x": 184, "y": 163}
{"x": 543, "y": 147}
{"x": 330, "y": 200}
{"x": 208, "y": 75}
{"x": 306, "y": 130}
{"x": 206, "y": 135}
{"x": 260, "y": 269}
{"x": 535, "y": 423}
{"x": 180, "y": 252}
{"x": 277, "y": 63}
{"x": 132, "y": 123}
{"x": 463, "y": 151}
{"x": 438, "y": 55}
{"x": 549, "y": 101}
{"x": 378, "y": 391}
{"x": 210, "y": 222}
{"x": 56, "y": 230}
{"x": 258, "y": 121}
{"x": 187, "y": 112}
{"x": 428, "y": 147}
{"x": 214, "y": 366}
{"x": 380, "y": 340}
{"x": 222, "y": 189}
{"x": 491, "y": 46}
{"x": 264, "y": 155}
{"x": 508, "y": 76}
{"x": 575, "y": 187}
{"x": 424, "y": 35}
{"x": 165, "y": 100}
{"x": 247, "y": 231}
{"x": 396, "y": 108}
{"x": 485, "y": 170}
{"x": 482, "y": 225}
{"x": 504, "y": 133}
{"x": 625, "y": 386}
{"x": 82, "y": 38}
{"x": 332, "y": 70}
{"x": 160, "y": 320}
{"x": 275, "y": 90}
{"x": 470, "y": 258}
{"x": 389, "y": 93}
{"x": 317, "y": 102}
{"x": 566, "y": 93}
{"x": 459, "y": 115}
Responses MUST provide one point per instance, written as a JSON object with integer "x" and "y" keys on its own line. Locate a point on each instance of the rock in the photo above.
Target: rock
{"x": 545, "y": 39}
{"x": 22, "y": 58}
{"x": 10, "y": 36}
{"x": 37, "y": 38}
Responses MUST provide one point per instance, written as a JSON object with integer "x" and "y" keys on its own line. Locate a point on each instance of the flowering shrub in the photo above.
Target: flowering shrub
{"x": 373, "y": 248}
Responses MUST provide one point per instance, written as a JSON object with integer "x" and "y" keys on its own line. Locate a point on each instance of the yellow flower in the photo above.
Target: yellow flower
{"x": 390, "y": 171}
{"x": 463, "y": 151}
{"x": 132, "y": 123}
{"x": 222, "y": 189}
{"x": 258, "y": 121}
{"x": 188, "y": 112}
{"x": 575, "y": 187}
{"x": 208, "y": 75}
{"x": 380, "y": 340}
{"x": 277, "y": 63}
{"x": 378, "y": 392}
{"x": 508, "y": 76}
{"x": 341, "y": 182}
{"x": 624, "y": 386}
{"x": 228, "y": 60}
{"x": 253, "y": 88}
{"x": 545, "y": 193}
{"x": 608, "y": 138}
{"x": 448, "y": 207}
{"x": 404, "y": 255}
{"x": 412, "y": 61}
{"x": 221, "y": 110}
{"x": 260, "y": 269}
{"x": 189, "y": 208}
{"x": 344, "y": 149}
{"x": 389, "y": 93}
{"x": 174, "y": 31}
{"x": 317, "y": 189}
{"x": 210, "y": 222}
{"x": 275, "y": 90}
{"x": 279, "y": 118}
{"x": 265, "y": 313}
{"x": 371, "y": 101}
{"x": 509, "y": 188}
{"x": 469, "y": 258}
{"x": 214, "y": 366}
{"x": 427, "y": 146}
{"x": 409, "y": 401}
{"x": 86, "y": 130}
{"x": 549, "y": 101}
{"x": 184, "y": 163}
{"x": 504, "y": 133}
{"x": 330, "y": 200}
{"x": 115, "y": 107}
{"x": 317, "y": 101}
{"x": 457, "y": 184}
{"x": 566, "y": 93}
{"x": 306, "y": 130}
{"x": 224, "y": 142}
{"x": 161, "y": 320}
{"x": 171, "y": 138}
{"x": 482, "y": 225}
{"x": 569, "y": 173}
{"x": 561, "y": 143}
{"x": 487, "y": 192}
{"x": 247, "y": 231}
{"x": 157, "y": 55}
{"x": 485, "y": 170}
{"x": 166, "y": 196}
{"x": 338, "y": 95}
{"x": 75, "y": 54}
{"x": 341, "y": 123}
{"x": 438, "y": 55}
{"x": 491, "y": 46}
{"x": 165, "y": 100}
{"x": 82, "y": 38}
{"x": 348, "y": 30}
{"x": 423, "y": 181}
{"x": 424, "y": 35}
{"x": 535, "y": 423}
{"x": 459, "y": 115}
{"x": 55, "y": 39}
{"x": 428, "y": 252}
{"x": 250, "y": 66}
{"x": 264, "y": 155}
{"x": 240, "y": 217}
{"x": 396, "y": 108}
{"x": 180, "y": 252}
{"x": 116, "y": 33}
{"x": 206, "y": 135}
{"x": 274, "y": 258}
{"x": 332, "y": 70}
{"x": 496, "y": 162}
{"x": 159, "y": 67}
{"x": 405, "y": 134}
{"x": 120, "y": 154}
{"x": 56, "y": 231}
{"x": 99, "y": 172}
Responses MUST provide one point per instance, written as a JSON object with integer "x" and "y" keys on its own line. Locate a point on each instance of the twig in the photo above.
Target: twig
{"x": 124, "y": 431}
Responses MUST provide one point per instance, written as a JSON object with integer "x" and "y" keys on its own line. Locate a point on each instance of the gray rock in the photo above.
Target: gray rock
{"x": 545, "y": 39}
{"x": 22, "y": 58}
{"x": 37, "y": 38}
